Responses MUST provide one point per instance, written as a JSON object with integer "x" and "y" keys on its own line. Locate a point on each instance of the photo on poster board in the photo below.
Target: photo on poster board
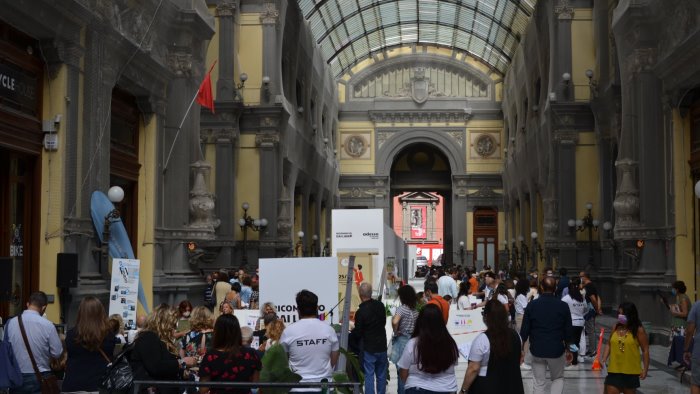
{"x": 360, "y": 275}
{"x": 124, "y": 290}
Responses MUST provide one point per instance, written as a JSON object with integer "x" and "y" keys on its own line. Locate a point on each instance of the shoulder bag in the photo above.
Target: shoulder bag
{"x": 49, "y": 384}
{"x": 10, "y": 374}
{"x": 118, "y": 377}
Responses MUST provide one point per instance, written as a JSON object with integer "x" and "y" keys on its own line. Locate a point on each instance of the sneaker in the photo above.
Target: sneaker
{"x": 570, "y": 366}
{"x": 526, "y": 366}
{"x": 581, "y": 359}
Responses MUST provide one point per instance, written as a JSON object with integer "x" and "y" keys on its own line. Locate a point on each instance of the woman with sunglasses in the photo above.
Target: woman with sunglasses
{"x": 627, "y": 344}
{"x": 495, "y": 356}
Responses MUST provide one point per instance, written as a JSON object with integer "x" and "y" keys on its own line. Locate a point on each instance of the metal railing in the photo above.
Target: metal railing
{"x": 323, "y": 386}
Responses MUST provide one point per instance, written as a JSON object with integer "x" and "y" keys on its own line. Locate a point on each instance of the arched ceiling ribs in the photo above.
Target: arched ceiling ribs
{"x": 349, "y": 31}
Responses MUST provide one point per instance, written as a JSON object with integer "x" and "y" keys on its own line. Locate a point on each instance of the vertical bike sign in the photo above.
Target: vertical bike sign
{"x": 124, "y": 290}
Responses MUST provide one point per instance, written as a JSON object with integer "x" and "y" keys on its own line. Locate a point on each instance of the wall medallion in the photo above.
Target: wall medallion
{"x": 356, "y": 146}
{"x": 485, "y": 145}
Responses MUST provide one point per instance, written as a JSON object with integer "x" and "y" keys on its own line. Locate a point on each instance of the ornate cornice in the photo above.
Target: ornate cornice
{"x": 270, "y": 15}
{"x": 425, "y": 116}
{"x": 566, "y": 137}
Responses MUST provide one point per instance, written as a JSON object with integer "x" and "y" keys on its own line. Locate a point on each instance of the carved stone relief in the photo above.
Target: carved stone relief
{"x": 421, "y": 83}
{"x": 180, "y": 63}
{"x": 457, "y": 135}
{"x": 355, "y": 146}
{"x": 485, "y": 144}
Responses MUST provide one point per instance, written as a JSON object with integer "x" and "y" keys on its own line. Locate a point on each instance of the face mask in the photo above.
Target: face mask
{"x": 186, "y": 314}
{"x": 673, "y": 291}
{"x": 622, "y": 319}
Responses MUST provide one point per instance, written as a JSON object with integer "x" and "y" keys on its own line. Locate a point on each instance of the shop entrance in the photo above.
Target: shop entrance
{"x": 16, "y": 223}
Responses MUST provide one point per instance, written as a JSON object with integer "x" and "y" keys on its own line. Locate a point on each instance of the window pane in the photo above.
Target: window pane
{"x": 491, "y": 254}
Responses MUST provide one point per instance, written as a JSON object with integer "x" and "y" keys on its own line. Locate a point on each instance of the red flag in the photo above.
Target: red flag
{"x": 204, "y": 96}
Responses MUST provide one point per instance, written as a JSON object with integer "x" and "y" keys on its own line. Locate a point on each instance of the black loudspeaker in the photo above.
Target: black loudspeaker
{"x": 5, "y": 279}
{"x": 67, "y": 270}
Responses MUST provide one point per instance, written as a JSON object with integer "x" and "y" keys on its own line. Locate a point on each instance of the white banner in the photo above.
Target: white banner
{"x": 124, "y": 290}
{"x": 358, "y": 230}
{"x": 281, "y": 280}
{"x": 247, "y": 317}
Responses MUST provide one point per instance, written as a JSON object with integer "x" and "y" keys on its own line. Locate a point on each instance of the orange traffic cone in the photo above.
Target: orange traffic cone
{"x": 596, "y": 362}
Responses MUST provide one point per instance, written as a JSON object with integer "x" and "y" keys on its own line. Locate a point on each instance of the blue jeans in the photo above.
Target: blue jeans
{"x": 30, "y": 384}
{"x": 375, "y": 364}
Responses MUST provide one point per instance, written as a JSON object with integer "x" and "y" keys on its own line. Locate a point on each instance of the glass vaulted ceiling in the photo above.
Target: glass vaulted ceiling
{"x": 350, "y": 31}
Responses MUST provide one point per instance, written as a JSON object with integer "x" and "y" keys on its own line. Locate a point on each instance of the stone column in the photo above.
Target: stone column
{"x": 268, "y": 146}
{"x": 565, "y": 142}
{"x": 224, "y": 139}
{"x": 226, "y": 11}
{"x": 271, "y": 53}
{"x": 560, "y": 39}
{"x": 458, "y": 220}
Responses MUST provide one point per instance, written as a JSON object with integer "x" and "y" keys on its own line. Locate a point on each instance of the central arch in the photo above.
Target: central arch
{"x": 425, "y": 150}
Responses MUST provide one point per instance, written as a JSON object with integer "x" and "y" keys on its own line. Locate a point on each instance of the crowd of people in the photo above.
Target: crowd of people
{"x": 534, "y": 323}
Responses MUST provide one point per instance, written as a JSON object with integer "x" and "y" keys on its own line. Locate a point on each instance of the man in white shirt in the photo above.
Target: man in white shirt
{"x": 140, "y": 324}
{"x": 312, "y": 345}
{"x": 447, "y": 285}
{"x": 43, "y": 340}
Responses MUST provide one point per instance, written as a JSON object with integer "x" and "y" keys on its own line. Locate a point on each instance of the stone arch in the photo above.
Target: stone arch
{"x": 452, "y": 149}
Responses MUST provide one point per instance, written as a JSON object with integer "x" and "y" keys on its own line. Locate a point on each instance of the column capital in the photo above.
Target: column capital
{"x": 564, "y": 10}
{"x": 180, "y": 62}
{"x": 640, "y": 60}
{"x": 270, "y": 15}
{"x": 226, "y": 9}
{"x": 267, "y": 140}
{"x": 566, "y": 137}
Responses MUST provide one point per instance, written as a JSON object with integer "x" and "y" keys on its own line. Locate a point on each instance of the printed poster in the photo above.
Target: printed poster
{"x": 124, "y": 290}
{"x": 418, "y": 217}
{"x": 362, "y": 272}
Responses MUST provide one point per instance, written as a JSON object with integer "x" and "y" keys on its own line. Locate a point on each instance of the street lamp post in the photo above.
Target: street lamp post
{"x": 524, "y": 251}
{"x": 461, "y": 253}
{"x": 536, "y": 248}
{"x": 299, "y": 247}
{"x": 314, "y": 245}
{"x": 327, "y": 247}
{"x": 589, "y": 224}
{"x": 515, "y": 253}
{"x": 247, "y": 222}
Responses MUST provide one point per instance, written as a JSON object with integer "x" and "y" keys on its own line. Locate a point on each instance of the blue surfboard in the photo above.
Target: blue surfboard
{"x": 119, "y": 244}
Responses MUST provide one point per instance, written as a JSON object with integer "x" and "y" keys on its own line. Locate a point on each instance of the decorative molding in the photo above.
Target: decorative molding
{"x": 484, "y": 192}
{"x": 383, "y": 136}
{"x": 566, "y": 137}
{"x": 460, "y": 187}
{"x": 220, "y": 135}
{"x": 59, "y": 52}
{"x": 359, "y": 192}
{"x": 626, "y": 202}
{"x": 564, "y": 10}
{"x": 225, "y": 9}
{"x": 270, "y": 15}
{"x": 456, "y": 135}
{"x": 420, "y": 116}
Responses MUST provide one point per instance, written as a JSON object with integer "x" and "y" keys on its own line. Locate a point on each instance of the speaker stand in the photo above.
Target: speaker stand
{"x": 64, "y": 302}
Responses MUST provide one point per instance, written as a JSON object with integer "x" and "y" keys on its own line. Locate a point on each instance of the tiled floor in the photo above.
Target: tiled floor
{"x": 581, "y": 379}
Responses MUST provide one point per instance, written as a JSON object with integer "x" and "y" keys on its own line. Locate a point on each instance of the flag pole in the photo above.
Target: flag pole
{"x": 172, "y": 146}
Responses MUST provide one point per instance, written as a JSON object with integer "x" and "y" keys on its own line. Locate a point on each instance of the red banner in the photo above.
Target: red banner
{"x": 418, "y": 219}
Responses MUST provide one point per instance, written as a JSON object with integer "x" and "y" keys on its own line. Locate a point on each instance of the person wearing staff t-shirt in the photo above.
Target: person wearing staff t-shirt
{"x": 312, "y": 345}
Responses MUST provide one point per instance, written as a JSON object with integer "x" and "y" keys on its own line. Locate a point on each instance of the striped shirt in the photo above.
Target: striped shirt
{"x": 408, "y": 320}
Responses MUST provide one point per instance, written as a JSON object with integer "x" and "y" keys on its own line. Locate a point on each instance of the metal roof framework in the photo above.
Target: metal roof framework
{"x": 349, "y": 31}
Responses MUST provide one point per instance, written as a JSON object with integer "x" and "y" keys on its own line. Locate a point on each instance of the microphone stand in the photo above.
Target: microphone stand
{"x": 330, "y": 312}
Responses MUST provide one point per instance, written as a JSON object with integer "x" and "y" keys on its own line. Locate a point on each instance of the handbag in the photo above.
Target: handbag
{"x": 118, "y": 377}
{"x": 10, "y": 374}
{"x": 49, "y": 384}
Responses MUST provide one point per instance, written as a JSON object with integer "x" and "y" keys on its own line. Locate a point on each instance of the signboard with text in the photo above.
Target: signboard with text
{"x": 281, "y": 280}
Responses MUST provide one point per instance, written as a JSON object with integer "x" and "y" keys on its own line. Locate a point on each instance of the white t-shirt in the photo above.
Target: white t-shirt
{"x": 503, "y": 299}
{"x": 520, "y": 304}
{"x": 444, "y": 381}
{"x": 577, "y": 309}
{"x": 463, "y": 302}
{"x": 480, "y": 352}
{"x": 309, "y": 343}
